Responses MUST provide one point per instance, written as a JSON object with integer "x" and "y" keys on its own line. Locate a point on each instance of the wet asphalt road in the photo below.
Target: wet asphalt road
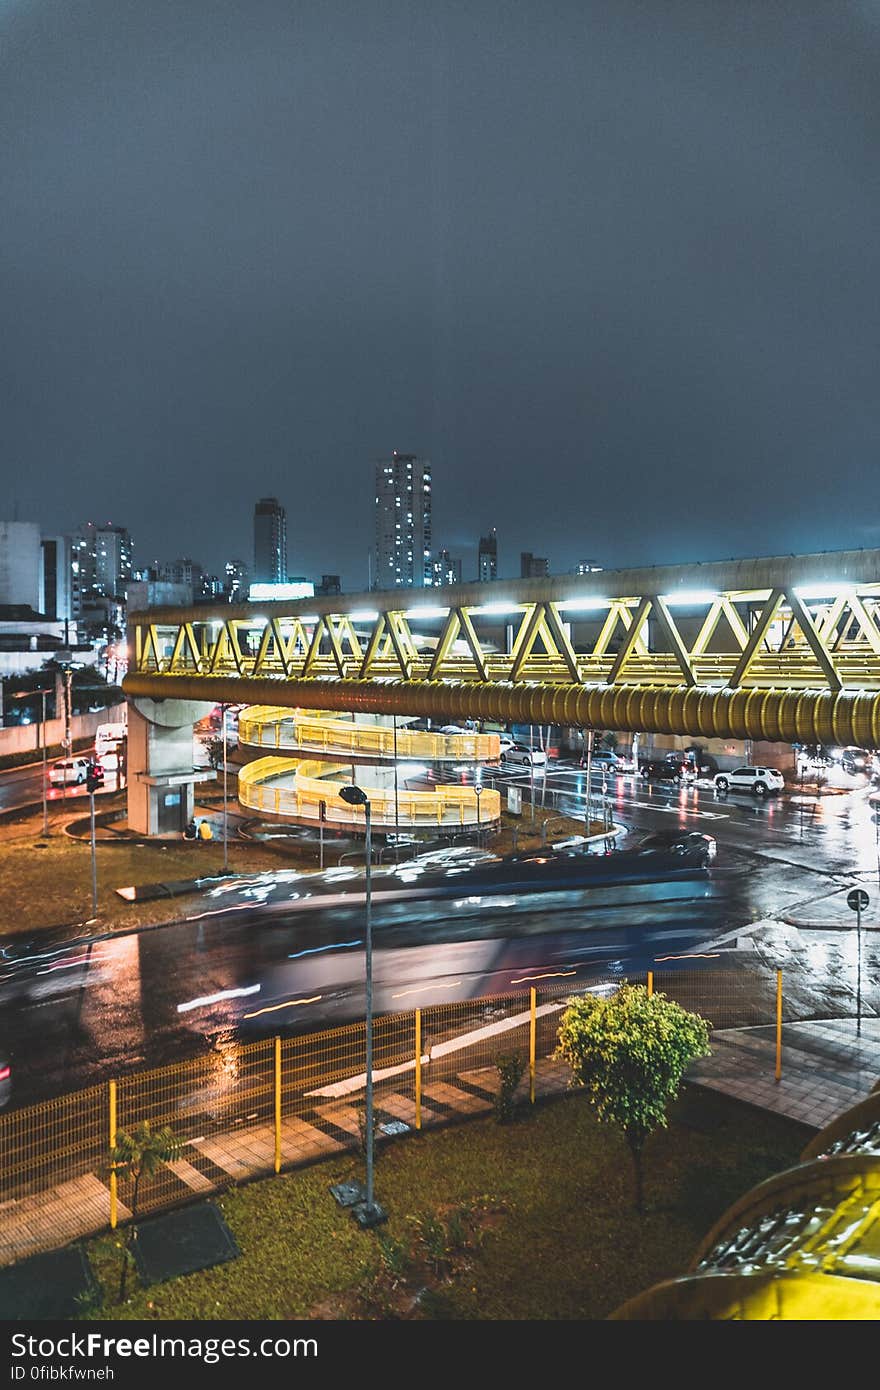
{"x": 23, "y": 786}
{"x": 75, "y": 1015}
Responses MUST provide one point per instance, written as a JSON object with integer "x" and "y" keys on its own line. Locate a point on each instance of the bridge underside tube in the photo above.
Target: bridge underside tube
{"x": 783, "y": 716}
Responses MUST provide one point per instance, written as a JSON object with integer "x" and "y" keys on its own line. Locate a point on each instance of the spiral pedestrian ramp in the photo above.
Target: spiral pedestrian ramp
{"x": 296, "y": 790}
{"x": 803, "y": 1245}
{"x": 335, "y": 735}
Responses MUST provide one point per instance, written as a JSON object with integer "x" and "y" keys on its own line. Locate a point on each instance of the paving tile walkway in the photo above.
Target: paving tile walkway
{"x": 826, "y": 1068}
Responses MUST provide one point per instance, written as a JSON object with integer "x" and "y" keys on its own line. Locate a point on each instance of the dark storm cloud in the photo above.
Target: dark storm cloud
{"x": 611, "y": 265}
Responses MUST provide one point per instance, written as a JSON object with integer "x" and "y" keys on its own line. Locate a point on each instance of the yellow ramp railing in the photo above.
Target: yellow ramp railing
{"x": 270, "y": 726}
{"x": 259, "y": 790}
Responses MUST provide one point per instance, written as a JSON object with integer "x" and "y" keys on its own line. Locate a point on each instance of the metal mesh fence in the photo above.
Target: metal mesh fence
{"x": 244, "y": 1110}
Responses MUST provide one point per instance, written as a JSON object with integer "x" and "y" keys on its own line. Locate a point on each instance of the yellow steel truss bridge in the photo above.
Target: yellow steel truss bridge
{"x": 785, "y": 648}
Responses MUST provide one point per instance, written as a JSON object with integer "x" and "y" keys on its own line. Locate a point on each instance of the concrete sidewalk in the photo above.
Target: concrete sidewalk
{"x": 826, "y": 1069}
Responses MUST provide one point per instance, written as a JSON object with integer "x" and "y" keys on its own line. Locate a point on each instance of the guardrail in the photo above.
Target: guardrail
{"x": 246, "y": 1110}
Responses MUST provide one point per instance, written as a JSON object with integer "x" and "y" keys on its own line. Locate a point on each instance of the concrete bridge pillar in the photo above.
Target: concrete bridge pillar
{"x": 161, "y": 775}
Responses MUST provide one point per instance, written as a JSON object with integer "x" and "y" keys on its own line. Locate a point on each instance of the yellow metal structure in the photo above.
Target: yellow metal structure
{"x": 285, "y": 730}
{"x": 533, "y": 1034}
{"x": 803, "y": 1245}
{"x": 112, "y": 1136}
{"x": 277, "y": 1105}
{"x": 786, "y": 648}
{"x": 418, "y": 1078}
{"x": 306, "y": 788}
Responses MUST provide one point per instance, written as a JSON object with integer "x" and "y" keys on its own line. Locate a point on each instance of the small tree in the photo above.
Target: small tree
{"x": 630, "y": 1052}
{"x": 140, "y": 1154}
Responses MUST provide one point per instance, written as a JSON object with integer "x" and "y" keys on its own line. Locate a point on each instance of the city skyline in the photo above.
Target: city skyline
{"x": 637, "y": 264}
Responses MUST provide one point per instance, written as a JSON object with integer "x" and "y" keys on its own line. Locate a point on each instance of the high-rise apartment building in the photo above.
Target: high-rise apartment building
{"x": 57, "y": 602}
{"x": 20, "y": 565}
{"x": 533, "y": 566}
{"x": 101, "y": 561}
{"x": 487, "y": 558}
{"x": 270, "y": 542}
{"x": 237, "y": 580}
{"x": 403, "y": 523}
{"x": 446, "y": 568}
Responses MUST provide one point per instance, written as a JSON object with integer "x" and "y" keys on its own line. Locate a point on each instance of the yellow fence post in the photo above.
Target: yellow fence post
{"x": 277, "y": 1105}
{"x": 418, "y": 1068}
{"x": 532, "y": 1030}
{"x": 778, "y": 1025}
{"x": 650, "y": 983}
{"x": 113, "y": 1146}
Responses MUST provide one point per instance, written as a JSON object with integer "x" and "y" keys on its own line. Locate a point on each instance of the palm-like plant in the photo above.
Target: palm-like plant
{"x": 137, "y": 1154}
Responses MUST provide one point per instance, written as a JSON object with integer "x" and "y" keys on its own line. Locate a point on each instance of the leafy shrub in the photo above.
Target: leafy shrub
{"x": 510, "y": 1067}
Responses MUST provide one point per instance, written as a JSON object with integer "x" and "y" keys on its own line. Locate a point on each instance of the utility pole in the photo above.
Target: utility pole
{"x": 588, "y": 741}
{"x": 91, "y": 785}
{"x": 396, "y": 798}
{"x": 223, "y": 709}
{"x": 43, "y": 694}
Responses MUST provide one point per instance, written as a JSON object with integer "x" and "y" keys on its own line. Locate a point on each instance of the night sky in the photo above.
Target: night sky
{"x": 612, "y": 266}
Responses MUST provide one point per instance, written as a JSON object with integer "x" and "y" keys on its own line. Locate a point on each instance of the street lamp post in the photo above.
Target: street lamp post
{"x": 532, "y": 770}
{"x": 857, "y": 900}
{"x": 368, "y": 1213}
{"x": 588, "y": 804}
{"x": 396, "y": 798}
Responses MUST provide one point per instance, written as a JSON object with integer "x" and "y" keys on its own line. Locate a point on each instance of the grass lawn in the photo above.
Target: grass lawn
{"x": 549, "y": 1229}
{"x": 48, "y": 882}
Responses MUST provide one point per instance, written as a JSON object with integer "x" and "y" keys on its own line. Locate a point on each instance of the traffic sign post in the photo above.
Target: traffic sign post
{"x": 478, "y": 792}
{"x": 857, "y": 900}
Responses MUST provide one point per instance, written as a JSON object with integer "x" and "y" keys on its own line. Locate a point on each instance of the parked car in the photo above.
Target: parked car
{"x": 691, "y": 846}
{"x": 604, "y": 758}
{"x": 521, "y": 753}
{"x": 661, "y": 770}
{"x": 759, "y": 780}
{"x": 70, "y": 772}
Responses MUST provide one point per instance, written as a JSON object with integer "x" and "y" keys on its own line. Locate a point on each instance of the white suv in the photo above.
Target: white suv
{"x": 760, "y": 780}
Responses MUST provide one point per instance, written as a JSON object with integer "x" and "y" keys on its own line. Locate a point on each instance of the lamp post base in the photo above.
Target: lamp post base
{"x": 367, "y": 1216}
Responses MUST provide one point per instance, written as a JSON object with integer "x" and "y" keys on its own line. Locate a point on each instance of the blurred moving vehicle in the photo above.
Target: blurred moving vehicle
{"x": 72, "y": 772}
{"x": 759, "y": 780}
{"x": 520, "y": 753}
{"x": 5, "y": 1079}
{"x": 690, "y": 846}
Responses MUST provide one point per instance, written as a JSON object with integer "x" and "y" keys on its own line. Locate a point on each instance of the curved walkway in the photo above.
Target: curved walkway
{"x": 308, "y": 792}
{"x": 317, "y": 731}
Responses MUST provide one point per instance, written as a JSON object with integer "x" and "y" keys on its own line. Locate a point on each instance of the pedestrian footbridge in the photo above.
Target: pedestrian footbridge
{"x": 785, "y": 648}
